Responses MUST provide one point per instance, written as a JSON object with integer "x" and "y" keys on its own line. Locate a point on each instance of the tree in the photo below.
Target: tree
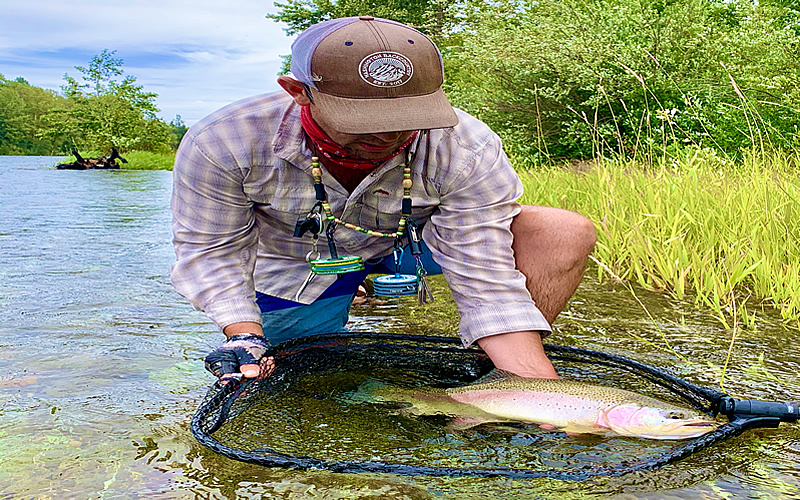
{"x": 102, "y": 70}
{"x": 435, "y": 18}
{"x": 101, "y": 79}
{"x": 571, "y": 78}
{"x": 179, "y": 129}
{"x": 109, "y": 110}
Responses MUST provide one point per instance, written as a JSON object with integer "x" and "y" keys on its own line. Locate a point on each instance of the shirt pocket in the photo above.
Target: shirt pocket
{"x": 379, "y": 209}
{"x": 284, "y": 204}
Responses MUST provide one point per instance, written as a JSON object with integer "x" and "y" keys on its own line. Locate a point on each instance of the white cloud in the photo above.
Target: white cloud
{"x": 196, "y": 55}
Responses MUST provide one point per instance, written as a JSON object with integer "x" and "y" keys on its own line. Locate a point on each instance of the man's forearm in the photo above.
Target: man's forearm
{"x": 519, "y": 352}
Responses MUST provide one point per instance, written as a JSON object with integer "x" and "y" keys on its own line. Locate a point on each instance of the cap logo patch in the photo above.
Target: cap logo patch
{"x": 386, "y": 69}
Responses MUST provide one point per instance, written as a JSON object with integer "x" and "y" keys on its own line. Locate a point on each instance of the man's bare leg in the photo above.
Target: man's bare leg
{"x": 551, "y": 247}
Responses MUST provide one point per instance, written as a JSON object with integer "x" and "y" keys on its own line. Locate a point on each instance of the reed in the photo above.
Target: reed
{"x": 697, "y": 226}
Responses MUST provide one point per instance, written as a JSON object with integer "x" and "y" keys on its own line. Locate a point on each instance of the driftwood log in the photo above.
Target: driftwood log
{"x": 100, "y": 162}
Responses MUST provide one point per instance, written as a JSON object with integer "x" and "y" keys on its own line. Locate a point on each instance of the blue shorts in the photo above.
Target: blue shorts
{"x": 286, "y": 319}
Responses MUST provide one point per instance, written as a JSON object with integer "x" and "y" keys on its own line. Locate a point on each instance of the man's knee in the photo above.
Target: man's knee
{"x": 585, "y": 232}
{"x": 555, "y": 226}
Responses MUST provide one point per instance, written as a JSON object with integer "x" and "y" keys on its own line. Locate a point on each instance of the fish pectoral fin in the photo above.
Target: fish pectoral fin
{"x": 565, "y": 430}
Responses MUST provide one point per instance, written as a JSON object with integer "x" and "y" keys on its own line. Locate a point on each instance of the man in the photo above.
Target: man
{"x": 366, "y": 99}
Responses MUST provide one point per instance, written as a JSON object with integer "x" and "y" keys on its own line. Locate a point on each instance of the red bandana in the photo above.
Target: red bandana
{"x": 337, "y": 154}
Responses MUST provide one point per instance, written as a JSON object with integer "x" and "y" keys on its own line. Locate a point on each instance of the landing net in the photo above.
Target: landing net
{"x": 315, "y": 412}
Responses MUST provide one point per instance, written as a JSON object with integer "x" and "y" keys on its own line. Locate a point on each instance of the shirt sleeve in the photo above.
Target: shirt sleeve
{"x": 470, "y": 238}
{"x": 214, "y": 236}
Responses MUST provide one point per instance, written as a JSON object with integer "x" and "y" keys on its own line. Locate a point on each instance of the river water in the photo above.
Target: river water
{"x": 101, "y": 364}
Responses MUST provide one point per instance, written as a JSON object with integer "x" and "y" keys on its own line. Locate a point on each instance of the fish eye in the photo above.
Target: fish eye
{"x": 676, "y": 415}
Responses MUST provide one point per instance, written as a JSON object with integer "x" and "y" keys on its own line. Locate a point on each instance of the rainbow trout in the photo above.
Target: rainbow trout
{"x": 564, "y": 405}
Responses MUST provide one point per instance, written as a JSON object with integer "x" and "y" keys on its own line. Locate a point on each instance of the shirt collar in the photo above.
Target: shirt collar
{"x": 290, "y": 139}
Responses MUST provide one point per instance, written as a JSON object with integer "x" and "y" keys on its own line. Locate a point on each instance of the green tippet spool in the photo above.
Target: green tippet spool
{"x": 398, "y": 285}
{"x": 339, "y": 265}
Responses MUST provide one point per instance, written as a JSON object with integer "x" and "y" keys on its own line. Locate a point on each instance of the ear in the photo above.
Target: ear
{"x": 295, "y": 89}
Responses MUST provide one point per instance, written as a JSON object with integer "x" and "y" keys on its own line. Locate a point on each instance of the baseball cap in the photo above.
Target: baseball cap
{"x": 372, "y": 75}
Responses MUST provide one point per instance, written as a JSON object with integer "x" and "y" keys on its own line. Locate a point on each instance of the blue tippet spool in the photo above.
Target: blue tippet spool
{"x": 398, "y": 285}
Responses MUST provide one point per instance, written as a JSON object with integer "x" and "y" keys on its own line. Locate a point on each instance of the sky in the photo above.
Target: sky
{"x": 197, "y": 56}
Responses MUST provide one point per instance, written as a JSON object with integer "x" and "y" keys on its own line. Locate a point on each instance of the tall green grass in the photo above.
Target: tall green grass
{"x": 698, "y": 226}
{"x": 147, "y": 160}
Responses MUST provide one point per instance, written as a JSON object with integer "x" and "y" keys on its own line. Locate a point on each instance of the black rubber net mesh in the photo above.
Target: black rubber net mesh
{"x": 316, "y": 412}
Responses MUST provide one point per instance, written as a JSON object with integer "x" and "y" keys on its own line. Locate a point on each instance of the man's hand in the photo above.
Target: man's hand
{"x": 240, "y": 353}
{"x": 519, "y": 352}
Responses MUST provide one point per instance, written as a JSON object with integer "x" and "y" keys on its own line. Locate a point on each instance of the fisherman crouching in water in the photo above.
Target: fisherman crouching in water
{"x": 251, "y": 201}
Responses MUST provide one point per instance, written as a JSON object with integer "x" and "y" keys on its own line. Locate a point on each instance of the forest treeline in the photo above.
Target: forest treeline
{"x": 557, "y": 79}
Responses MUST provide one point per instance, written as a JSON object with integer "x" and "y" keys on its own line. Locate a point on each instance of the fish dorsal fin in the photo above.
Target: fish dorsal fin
{"x": 496, "y": 375}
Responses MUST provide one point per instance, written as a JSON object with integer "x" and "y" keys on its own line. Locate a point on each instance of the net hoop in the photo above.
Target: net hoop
{"x": 215, "y": 409}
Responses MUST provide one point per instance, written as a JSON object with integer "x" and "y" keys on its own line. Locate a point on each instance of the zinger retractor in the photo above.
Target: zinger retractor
{"x": 402, "y": 285}
{"x": 397, "y": 285}
{"x": 336, "y": 264}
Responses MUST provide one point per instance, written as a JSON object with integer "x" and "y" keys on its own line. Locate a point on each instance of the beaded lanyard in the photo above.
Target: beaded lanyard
{"x": 389, "y": 286}
{"x": 405, "y": 214}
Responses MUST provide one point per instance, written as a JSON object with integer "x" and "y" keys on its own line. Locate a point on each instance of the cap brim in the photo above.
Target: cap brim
{"x": 375, "y": 116}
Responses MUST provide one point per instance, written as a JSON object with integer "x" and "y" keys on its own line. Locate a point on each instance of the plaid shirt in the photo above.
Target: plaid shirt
{"x": 242, "y": 179}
